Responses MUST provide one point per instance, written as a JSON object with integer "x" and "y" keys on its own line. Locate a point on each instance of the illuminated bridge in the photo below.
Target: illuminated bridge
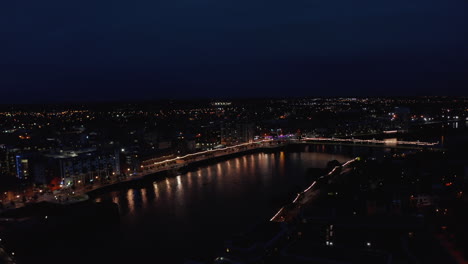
{"x": 156, "y": 165}
{"x": 371, "y": 141}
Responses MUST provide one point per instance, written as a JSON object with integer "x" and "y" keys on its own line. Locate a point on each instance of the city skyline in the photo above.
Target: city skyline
{"x": 136, "y": 182}
{"x": 233, "y": 132}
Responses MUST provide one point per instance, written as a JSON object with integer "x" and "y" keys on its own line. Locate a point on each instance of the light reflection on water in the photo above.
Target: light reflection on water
{"x": 207, "y": 205}
{"x": 130, "y": 200}
{"x": 156, "y": 190}
{"x": 241, "y": 170}
{"x": 227, "y": 177}
{"x": 143, "y": 197}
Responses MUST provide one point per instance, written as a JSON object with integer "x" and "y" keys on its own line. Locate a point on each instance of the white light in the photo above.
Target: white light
{"x": 368, "y": 244}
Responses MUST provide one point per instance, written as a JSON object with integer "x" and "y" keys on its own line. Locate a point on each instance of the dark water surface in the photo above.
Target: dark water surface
{"x": 193, "y": 213}
{"x": 189, "y": 216}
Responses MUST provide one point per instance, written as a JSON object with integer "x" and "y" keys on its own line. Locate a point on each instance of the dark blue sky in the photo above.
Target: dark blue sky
{"x": 56, "y": 50}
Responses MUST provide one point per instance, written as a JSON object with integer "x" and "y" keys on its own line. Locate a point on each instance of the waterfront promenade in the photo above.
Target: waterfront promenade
{"x": 149, "y": 167}
{"x": 80, "y": 190}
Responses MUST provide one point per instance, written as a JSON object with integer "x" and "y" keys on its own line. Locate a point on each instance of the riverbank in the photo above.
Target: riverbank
{"x": 171, "y": 171}
{"x": 192, "y": 213}
{"x": 152, "y": 169}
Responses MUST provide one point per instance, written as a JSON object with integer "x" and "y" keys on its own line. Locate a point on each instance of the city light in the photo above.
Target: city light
{"x": 193, "y": 167}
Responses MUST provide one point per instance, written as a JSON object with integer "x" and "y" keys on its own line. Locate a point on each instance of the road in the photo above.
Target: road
{"x": 152, "y": 166}
{"x": 290, "y": 211}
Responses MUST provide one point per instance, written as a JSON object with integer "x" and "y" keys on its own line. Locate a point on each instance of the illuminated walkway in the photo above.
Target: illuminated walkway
{"x": 371, "y": 141}
{"x": 290, "y": 211}
{"x": 152, "y": 166}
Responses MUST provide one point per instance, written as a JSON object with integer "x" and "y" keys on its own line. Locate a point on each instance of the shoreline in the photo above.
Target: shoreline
{"x": 188, "y": 167}
{"x": 171, "y": 167}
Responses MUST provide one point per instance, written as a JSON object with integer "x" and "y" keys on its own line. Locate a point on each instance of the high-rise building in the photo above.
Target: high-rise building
{"x": 234, "y": 133}
{"x": 77, "y": 165}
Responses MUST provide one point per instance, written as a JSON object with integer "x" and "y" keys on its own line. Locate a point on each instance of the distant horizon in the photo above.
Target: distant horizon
{"x": 213, "y": 99}
{"x": 21, "y": 96}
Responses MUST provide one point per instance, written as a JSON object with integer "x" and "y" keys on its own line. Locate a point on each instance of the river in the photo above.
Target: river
{"x": 189, "y": 216}
{"x": 193, "y": 213}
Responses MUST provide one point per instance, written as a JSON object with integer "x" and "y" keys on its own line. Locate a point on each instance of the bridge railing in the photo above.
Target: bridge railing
{"x": 373, "y": 141}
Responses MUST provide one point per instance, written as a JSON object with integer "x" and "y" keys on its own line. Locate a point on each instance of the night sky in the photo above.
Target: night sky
{"x": 59, "y": 50}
